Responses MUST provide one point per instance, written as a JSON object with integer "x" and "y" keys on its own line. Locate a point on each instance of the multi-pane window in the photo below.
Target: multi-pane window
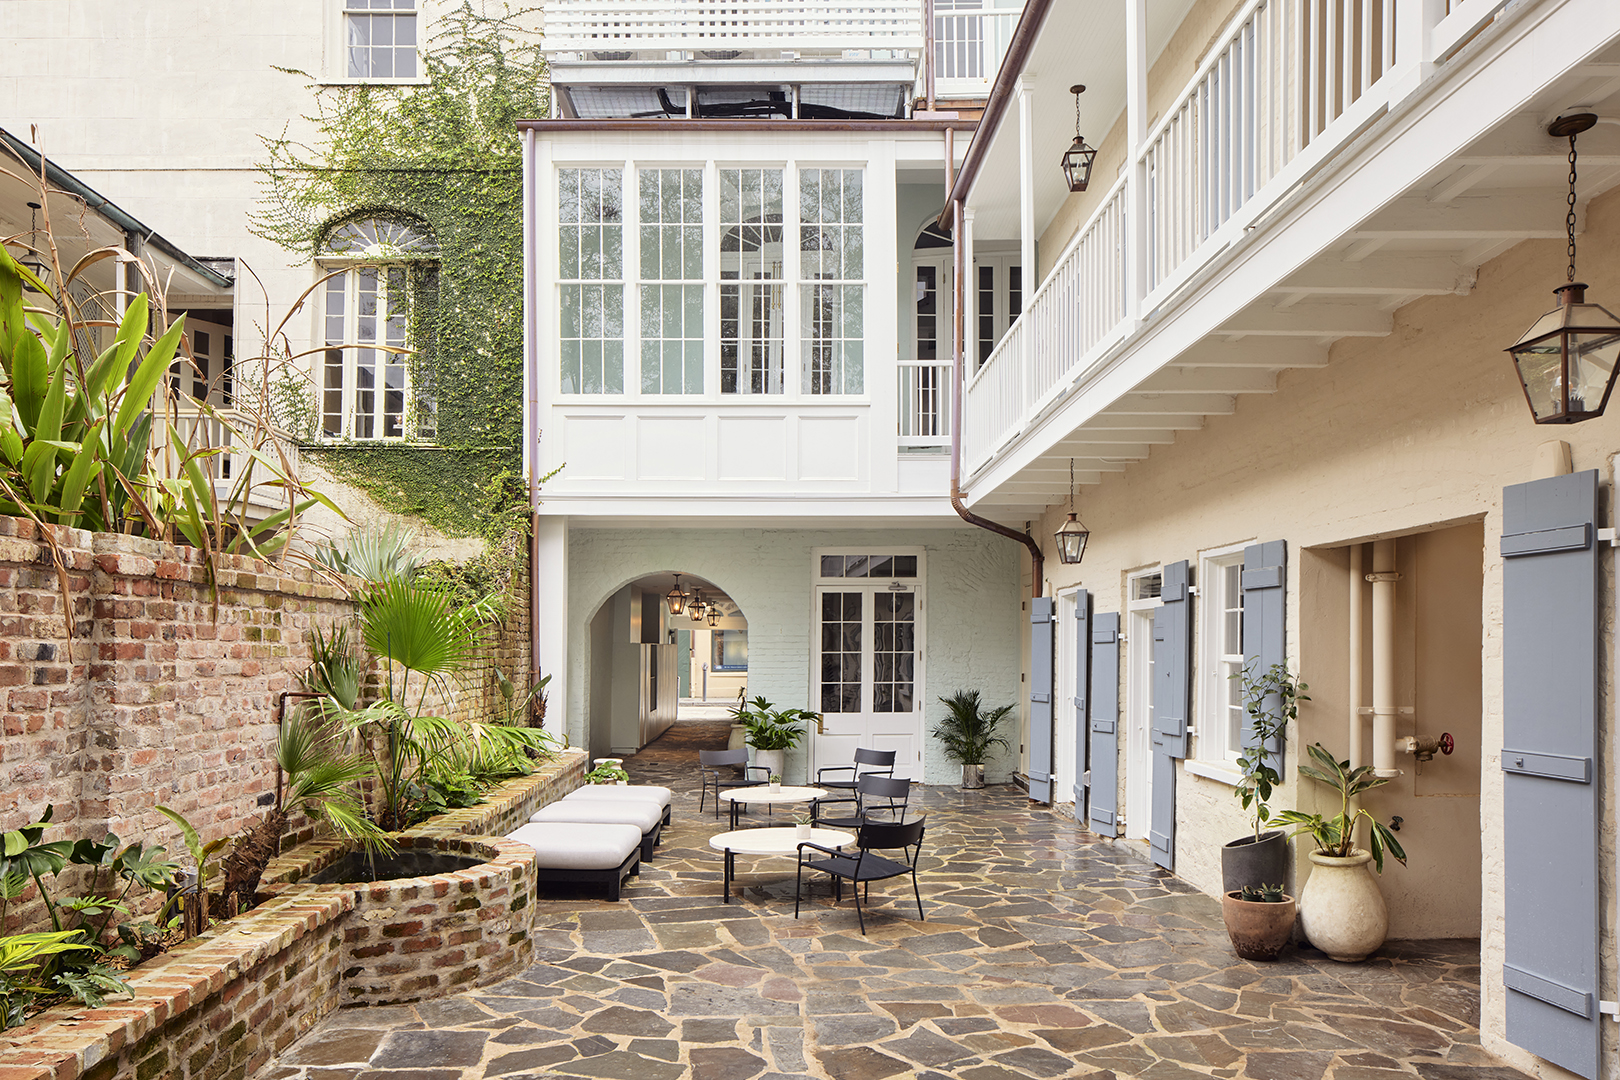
{"x": 671, "y": 208}
{"x": 1221, "y": 720}
{"x": 751, "y": 337}
{"x": 590, "y": 235}
{"x": 831, "y": 264}
{"x": 379, "y": 38}
{"x": 841, "y": 651}
{"x": 894, "y": 650}
{"x": 364, "y": 385}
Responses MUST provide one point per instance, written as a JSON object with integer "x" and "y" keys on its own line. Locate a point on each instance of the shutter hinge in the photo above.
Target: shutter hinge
{"x": 1610, "y": 1008}
{"x": 1612, "y": 538}
{"x": 1192, "y": 590}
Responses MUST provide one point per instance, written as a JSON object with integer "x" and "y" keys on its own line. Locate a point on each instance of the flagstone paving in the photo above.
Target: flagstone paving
{"x": 1045, "y": 953}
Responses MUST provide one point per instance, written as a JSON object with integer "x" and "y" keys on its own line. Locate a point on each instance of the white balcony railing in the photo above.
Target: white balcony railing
{"x": 970, "y": 40}
{"x": 234, "y": 433}
{"x": 1078, "y": 311}
{"x": 1292, "y": 83}
{"x": 717, "y": 27}
{"x": 925, "y": 403}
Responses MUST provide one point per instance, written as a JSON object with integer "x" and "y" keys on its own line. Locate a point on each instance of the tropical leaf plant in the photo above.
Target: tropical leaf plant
{"x": 372, "y": 553}
{"x": 1271, "y": 699}
{"x": 1336, "y": 836}
{"x": 969, "y": 729}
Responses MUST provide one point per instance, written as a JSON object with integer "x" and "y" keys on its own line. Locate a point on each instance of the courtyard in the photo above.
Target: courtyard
{"x": 1046, "y": 952}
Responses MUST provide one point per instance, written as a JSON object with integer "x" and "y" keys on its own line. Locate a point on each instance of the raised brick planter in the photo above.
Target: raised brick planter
{"x": 224, "y": 1003}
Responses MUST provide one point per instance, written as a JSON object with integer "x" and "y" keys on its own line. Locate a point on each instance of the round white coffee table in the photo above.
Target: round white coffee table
{"x": 778, "y": 840}
{"x": 764, "y": 793}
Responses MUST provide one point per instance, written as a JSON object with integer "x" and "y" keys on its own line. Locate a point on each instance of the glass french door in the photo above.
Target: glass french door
{"x": 867, "y": 674}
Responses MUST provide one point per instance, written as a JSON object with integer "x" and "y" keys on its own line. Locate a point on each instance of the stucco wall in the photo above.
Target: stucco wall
{"x": 971, "y": 598}
{"x": 1397, "y": 435}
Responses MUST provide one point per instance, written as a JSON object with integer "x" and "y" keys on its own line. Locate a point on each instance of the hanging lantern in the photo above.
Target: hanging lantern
{"x": 32, "y": 262}
{"x": 1071, "y": 536}
{"x": 1078, "y": 158}
{"x": 714, "y": 615}
{"x": 676, "y": 598}
{"x": 696, "y": 608}
{"x": 1567, "y": 361}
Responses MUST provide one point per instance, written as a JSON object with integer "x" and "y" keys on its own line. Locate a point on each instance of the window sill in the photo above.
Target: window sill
{"x": 1223, "y": 773}
{"x": 417, "y": 81}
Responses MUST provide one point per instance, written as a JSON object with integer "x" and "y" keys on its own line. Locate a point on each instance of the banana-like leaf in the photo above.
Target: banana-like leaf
{"x": 30, "y": 372}
{"x": 138, "y": 395}
{"x": 85, "y": 465}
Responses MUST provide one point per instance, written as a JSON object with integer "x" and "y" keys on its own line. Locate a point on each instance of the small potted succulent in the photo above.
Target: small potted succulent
{"x": 802, "y": 824}
{"x": 1259, "y": 920}
{"x": 776, "y": 781}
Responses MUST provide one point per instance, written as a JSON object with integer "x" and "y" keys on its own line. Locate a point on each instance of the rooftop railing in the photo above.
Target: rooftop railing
{"x": 624, "y": 29}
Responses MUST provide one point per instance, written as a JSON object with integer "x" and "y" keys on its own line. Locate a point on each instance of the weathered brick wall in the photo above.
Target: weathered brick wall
{"x": 478, "y": 696}
{"x": 220, "y": 1005}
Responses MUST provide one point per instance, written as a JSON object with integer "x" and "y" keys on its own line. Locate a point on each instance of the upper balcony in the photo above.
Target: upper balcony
{"x": 1260, "y": 193}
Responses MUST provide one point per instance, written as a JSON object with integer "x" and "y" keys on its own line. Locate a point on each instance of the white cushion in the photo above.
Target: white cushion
{"x": 641, "y": 813}
{"x": 576, "y": 846}
{"x": 611, "y": 792}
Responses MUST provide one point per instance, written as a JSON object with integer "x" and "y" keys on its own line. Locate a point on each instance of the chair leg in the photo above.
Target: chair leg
{"x": 703, "y": 794}
{"x": 860, "y": 917}
{"x": 798, "y": 888}
{"x": 918, "y": 894}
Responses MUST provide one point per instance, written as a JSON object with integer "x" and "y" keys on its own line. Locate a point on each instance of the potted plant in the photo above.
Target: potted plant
{"x": 776, "y": 781}
{"x": 607, "y": 773}
{"x": 772, "y": 731}
{"x": 1271, "y": 699}
{"x": 1340, "y": 908}
{"x": 967, "y": 733}
{"x": 1259, "y": 920}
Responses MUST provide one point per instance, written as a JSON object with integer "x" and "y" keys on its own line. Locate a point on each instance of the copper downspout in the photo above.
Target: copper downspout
{"x": 1037, "y": 561}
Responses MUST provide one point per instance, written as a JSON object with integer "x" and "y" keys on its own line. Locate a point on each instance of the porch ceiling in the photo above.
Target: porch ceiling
{"x": 1428, "y": 238}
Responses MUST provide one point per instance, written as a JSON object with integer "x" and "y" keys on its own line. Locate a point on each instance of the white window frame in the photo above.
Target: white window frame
{"x": 1138, "y": 726}
{"x": 336, "y": 67}
{"x": 793, "y": 284}
{"x": 1001, "y": 314}
{"x": 1215, "y": 752}
{"x": 351, "y": 357}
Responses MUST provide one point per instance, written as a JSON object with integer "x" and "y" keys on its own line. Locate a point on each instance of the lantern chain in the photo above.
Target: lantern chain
{"x": 1569, "y": 218}
{"x": 1071, "y": 485}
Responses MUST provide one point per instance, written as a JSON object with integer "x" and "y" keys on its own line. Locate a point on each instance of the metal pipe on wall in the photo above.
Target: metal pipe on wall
{"x": 1383, "y": 580}
{"x": 1357, "y": 752}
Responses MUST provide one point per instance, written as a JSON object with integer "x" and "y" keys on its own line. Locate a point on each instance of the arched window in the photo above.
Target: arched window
{"x": 365, "y": 380}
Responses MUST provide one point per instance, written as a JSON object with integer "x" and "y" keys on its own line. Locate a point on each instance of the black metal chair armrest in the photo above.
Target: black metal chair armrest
{"x": 825, "y": 850}
{"x": 833, "y": 768}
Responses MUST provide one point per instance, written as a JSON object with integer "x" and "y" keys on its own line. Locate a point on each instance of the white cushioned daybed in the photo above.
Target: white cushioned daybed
{"x": 615, "y": 792}
{"x": 646, "y": 815}
{"x": 583, "y": 852}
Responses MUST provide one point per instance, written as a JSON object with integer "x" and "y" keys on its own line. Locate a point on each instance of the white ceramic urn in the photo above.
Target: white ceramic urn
{"x": 1340, "y": 908}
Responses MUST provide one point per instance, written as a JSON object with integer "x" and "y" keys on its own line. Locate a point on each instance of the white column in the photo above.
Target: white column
{"x": 970, "y": 298}
{"x": 1026, "y": 182}
{"x": 1136, "y": 120}
{"x": 551, "y": 587}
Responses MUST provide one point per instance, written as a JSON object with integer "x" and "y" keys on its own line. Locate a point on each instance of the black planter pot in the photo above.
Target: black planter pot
{"x": 1246, "y": 861}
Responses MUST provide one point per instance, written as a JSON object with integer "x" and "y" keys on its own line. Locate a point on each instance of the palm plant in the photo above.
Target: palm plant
{"x": 373, "y": 553}
{"x": 1336, "y": 836}
{"x": 320, "y": 778}
{"x": 969, "y": 729}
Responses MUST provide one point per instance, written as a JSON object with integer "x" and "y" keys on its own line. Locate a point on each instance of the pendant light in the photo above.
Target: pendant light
{"x": 32, "y": 262}
{"x": 1071, "y": 535}
{"x": 696, "y": 608}
{"x": 714, "y": 615}
{"x": 676, "y": 598}
{"x": 1567, "y": 361}
{"x": 1078, "y": 158}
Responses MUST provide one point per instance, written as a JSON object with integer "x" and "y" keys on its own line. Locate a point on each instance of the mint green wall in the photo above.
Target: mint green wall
{"x": 972, "y": 608}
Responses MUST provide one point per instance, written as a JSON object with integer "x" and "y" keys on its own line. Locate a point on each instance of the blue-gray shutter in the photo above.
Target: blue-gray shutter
{"x": 1551, "y": 657}
{"x": 1041, "y": 625}
{"x": 1082, "y": 688}
{"x": 1172, "y": 694}
{"x": 1265, "y": 621}
{"x": 1104, "y": 727}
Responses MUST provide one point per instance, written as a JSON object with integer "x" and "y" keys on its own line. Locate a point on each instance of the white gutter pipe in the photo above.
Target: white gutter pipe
{"x": 1383, "y": 580}
{"x": 1357, "y": 753}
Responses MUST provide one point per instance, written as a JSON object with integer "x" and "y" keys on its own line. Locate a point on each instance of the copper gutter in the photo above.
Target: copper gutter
{"x": 1001, "y": 94}
{"x": 1037, "y": 560}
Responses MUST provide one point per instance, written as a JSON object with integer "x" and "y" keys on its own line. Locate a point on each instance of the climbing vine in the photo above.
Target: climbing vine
{"x": 445, "y": 154}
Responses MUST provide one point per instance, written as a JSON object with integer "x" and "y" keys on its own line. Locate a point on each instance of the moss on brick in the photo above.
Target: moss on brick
{"x": 153, "y": 1067}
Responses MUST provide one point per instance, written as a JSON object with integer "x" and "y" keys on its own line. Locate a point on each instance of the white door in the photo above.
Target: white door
{"x": 1143, "y": 593}
{"x": 868, "y": 665}
{"x": 1063, "y": 718}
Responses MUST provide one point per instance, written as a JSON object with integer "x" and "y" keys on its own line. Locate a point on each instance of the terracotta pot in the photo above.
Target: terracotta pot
{"x": 1258, "y": 930}
{"x": 973, "y": 776}
{"x": 1340, "y": 908}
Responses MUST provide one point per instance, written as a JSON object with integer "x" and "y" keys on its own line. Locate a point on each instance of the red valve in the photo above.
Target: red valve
{"x": 1447, "y": 743}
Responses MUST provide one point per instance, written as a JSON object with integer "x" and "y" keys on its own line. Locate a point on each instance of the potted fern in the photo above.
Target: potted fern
{"x": 968, "y": 732}
{"x": 1271, "y": 699}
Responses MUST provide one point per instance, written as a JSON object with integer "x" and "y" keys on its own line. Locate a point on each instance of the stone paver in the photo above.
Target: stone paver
{"x": 1045, "y": 953}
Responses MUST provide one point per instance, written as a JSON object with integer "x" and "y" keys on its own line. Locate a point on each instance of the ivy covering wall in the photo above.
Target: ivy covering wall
{"x": 446, "y": 154}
